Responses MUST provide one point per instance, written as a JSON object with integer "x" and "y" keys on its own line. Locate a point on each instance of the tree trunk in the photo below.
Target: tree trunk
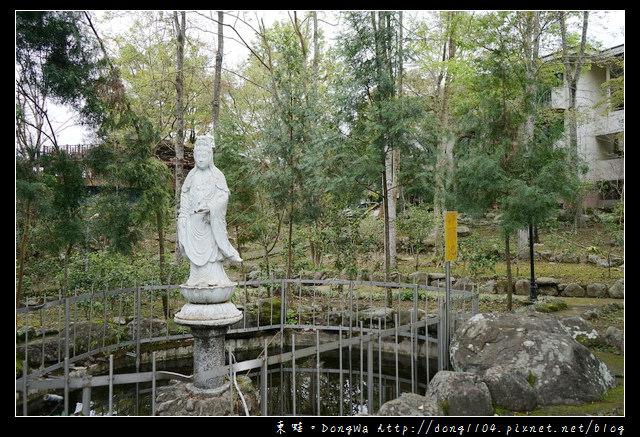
{"x": 387, "y": 254}
{"x": 572, "y": 71}
{"x": 507, "y": 254}
{"x": 23, "y": 252}
{"x": 386, "y": 86}
{"x": 391, "y": 197}
{"x": 531, "y": 46}
{"x": 180, "y": 26}
{"x": 531, "y": 39}
{"x": 218, "y": 68}
{"x": 161, "y": 262}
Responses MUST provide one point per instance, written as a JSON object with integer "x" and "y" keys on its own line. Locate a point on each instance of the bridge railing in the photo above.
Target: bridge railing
{"x": 71, "y": 149}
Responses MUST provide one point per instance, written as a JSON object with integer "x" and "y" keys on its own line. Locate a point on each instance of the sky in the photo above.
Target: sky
{"x": 604, "y": 26}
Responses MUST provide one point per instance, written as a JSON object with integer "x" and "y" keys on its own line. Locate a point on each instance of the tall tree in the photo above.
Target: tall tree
{"x": 218, "y": 71}
{"x": 444, "y": 163}
{"x": 180, "y": 32}
{"x": 378, "y": 116}
{"x": 56, "y": 60}
{"x": 511, "y": 159}
{"x": 286, "y": 53}
{"x": 573, "y": 62}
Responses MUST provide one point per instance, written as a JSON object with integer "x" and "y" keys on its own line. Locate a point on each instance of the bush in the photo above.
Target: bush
{"x": 106, "y": 270}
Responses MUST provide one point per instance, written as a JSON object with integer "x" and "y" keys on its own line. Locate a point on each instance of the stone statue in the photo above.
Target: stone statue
{"x": 202, "y": 233}
{"x": 202, "y": 225}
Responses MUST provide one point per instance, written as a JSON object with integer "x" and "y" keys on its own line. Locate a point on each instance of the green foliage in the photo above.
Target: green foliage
{"x": 531, "y": 379}
{"x": 61, "y": 193}
{"x": 115, "y": 220}
{"x": 511, "y": 159}
{"x": 136, "y": 189}
{"x": 348, "y": 238}
{"x": 303, "y": 133}
{"x": 57, "y": 54}
{"x": 106, "y": 270}
{"x": 415, "y": 224}
{"x": 480, "y": 255}
{"x": 244, "y": 212}
{"x": 614, "y": 224}
{"x": 146, "y": 62}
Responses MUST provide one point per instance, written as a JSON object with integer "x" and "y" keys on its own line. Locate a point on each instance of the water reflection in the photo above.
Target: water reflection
{"x": 331, "y": 392}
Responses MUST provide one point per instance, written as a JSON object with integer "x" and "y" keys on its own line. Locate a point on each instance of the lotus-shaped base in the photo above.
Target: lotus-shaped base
{"x": 208, "y": 306}
{"x": 208, "y": 295}
{"x": 217, "y": 314}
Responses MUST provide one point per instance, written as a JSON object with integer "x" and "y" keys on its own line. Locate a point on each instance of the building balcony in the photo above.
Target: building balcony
{"x": 606, "y": 170}
{"x": 610, "y": 123}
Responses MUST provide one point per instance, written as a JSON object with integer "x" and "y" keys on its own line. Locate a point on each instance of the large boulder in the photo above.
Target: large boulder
{"x": 410, "y": 404}
{"x": 460, "y": 394}
{"x": 511, "y": 388}
{"x": 614, "y": 337}
{"x": 581, "y": 330}
{"x": 573, "y": 290}
{"x": 536, "y": 346}
{"x": 616, "y": 291}
{"x": 597, "y": 289}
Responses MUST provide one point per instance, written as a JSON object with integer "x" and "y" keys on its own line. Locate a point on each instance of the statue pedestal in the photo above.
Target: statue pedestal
{"x": 183, "y": 399}
{"x": 209, "y": 313}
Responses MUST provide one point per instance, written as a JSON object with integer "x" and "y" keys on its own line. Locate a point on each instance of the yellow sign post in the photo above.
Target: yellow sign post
{"x": 451, "y": 236}
{"x": 450, "y": 254}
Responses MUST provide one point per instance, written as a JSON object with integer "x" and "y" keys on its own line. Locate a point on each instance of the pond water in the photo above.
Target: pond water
{"x": 331, "y": 393}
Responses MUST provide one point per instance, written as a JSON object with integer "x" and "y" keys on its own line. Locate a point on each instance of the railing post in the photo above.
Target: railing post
{"x": 110, "y": 384}
{"x": 25, "y": 388}
{"x": 340, "y": 368}
{"x": 369, "y": 377}
{"x": 232, "y": 378}
{"x": 396, "y": 357}
{"x": 263, "y": 391}
{"x": 86, "y": 395}
{"x": 138, "y": 320}
{"x": 361, "y": 365}
{"x": 66, "y": 386}
{"x": 153, "y": 383}
{"x": 380, "y": 396}
{"x": 318, "y": 367}
{"x": 426, "y": 352}
{"x": 293, "y": 372}
{"x": 66, "y": 356}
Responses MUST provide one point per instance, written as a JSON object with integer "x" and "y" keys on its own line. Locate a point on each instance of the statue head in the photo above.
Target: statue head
{"x": 204, "y": 141}
{"x": 203, "y": 151}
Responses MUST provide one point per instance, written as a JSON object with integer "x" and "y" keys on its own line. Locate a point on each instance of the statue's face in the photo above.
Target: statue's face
{"x": 202, "y": 158}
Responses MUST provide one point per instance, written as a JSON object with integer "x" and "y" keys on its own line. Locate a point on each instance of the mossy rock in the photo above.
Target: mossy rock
{"x": 550, "y": 306}
{"x": 269, "y": 310}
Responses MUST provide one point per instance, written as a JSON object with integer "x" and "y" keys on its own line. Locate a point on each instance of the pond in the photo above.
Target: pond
{"x": 336, "y": 390}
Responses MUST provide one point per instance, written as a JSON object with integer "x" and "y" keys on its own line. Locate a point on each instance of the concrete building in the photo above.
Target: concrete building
{"x": 600, "y": 126}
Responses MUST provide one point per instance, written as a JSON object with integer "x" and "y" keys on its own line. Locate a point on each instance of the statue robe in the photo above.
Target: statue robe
{"x": 203, "y": 235}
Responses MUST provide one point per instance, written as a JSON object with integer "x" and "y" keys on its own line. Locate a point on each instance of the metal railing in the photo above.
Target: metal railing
{"x": 74, "y": 328}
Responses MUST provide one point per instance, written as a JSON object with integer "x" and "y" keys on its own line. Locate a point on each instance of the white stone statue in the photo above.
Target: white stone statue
{"x": 202, "y": 225}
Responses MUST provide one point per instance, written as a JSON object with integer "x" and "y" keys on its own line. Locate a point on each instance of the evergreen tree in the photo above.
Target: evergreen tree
{"x": 512, "y": 158}
{"x": 291, "y": 133}
{"x": 378, "y": 117}
{"x": 57, "y": 59}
